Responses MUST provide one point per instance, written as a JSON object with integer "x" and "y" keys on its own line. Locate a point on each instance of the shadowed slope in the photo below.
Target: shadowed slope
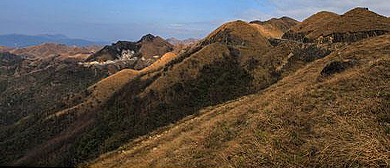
{"x": 212, "y": 71}
{"x": 307, "y": 119}
{"x": 233, "y": 61}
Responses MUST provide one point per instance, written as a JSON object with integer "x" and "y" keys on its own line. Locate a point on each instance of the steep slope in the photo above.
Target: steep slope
{"x": 151, "y": 46}
{"x": 233, "y": 61}
{"x": 353, "y": 25}
{"x": 152, "y": 98}
{"x": 275, "y": 27}
{"x": 33, "y": 84}
{"x": 37, "y": 89}
{"x": 333, "y": 112}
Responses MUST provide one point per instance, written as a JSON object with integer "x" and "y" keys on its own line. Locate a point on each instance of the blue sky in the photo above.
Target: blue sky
{"x": 130, "y": 19}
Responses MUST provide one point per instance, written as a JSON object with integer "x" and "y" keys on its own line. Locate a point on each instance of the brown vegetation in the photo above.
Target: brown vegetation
{"x": 352, "y": 26}
{"x": 310, "y": 104}
{"x": 306, "y": 119}
{"x": 274, "y": 28}
{"x": 51, "y": 49}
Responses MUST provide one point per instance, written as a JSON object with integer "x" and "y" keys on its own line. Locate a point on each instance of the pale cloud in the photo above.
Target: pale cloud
{"x": 176, "y": 25}
{"x": 253, "y": 14}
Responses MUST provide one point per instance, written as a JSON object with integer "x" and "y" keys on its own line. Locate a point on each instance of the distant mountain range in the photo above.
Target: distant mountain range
{"x": 20, "y": 40}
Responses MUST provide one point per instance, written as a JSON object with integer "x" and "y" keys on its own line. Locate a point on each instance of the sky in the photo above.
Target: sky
{"x": 112, "y": 20}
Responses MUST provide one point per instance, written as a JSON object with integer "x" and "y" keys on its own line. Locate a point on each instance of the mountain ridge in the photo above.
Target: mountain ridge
{"x": 21, "y": 40}
{"x": 240, "y": 97}
{"x": 353, "y": 25}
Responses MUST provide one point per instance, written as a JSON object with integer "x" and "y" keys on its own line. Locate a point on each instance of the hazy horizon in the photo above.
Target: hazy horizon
{"x": 100, "y": 20}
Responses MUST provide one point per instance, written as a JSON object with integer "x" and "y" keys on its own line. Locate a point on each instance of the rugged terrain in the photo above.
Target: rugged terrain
{"x": 133, "y": 55}
{"x": 319, "y": 107}
{"x": 240, "y": 97}
{"x": 334, "y": 112}
{"x": 353, "y": 25}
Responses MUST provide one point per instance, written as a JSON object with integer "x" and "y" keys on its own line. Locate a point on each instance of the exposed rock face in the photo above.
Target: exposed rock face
{"x": 352, "y": 26}
{"x": 113, "y": 51}
{"x": 336, "y": 67}
{"x": 134, "y": 54}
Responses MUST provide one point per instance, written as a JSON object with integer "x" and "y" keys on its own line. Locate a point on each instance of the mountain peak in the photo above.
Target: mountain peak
{"x": 147, "y": 38}
{"x": 353, "y": 25}
{"x": 362, "y": 12}
{"x": 237, "y": 33}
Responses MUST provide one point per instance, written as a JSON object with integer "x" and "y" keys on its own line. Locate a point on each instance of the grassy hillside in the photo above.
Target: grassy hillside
{"x": 217, "y": 69}
{"x": 155, "y": 98}
{"x": 274, "y": 28}
{"x": 333, "y": 112}
{"x": 354, "y": 25}
{"x": 310, "y": 104}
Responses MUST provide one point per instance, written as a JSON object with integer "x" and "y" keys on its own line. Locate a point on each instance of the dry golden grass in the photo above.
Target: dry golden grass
{"x": 81, "y": 56}
{"x": 46, "y": 50}
{"x": 238, "y": 33}
{"x": 315, "y": 21}
{"x": 167, "y": 57}
{"x": 305, "y": 120}
{"x": 100, "y": 92}
{"x": 268, "y": 31}
{"x": 104, "y": 89}
{"x": 189, "y": 68}
{"x": 355, "y": 20}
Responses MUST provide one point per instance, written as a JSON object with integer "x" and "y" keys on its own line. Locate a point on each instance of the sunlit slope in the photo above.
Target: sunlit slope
{"x": 333, "y": 112}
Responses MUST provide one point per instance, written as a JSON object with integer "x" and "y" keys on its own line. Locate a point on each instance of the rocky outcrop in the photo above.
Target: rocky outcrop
{"x": 113, "y": 51}
{"x": 336, "y": 67}
{"x": 134, "y": 55}
{"x": 334, "y": 37}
